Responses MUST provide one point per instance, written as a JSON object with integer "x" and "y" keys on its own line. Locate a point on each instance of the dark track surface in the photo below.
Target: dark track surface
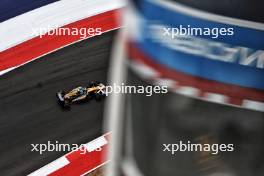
{"x": 29, "y": 113}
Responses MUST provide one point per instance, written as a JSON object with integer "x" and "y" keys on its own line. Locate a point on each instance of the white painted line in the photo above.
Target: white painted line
{"x": 99, "y": 142}
{"x": 259, "y": 106}
{"x": 12, "y": 68}
{"x": 23, "y": 27}
{"x": 217, "y": 98}
{"x": 51, "y": 167}
{"x": 95, "y": 168}
{"x": 63, "y": 161}
{"x": 7, "y": 70}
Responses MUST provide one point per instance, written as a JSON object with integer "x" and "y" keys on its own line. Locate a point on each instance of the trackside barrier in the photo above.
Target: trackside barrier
{"x": 187, "y": 85}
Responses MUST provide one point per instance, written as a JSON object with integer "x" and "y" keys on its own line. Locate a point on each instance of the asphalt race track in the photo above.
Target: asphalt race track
{"x": 29, "y": 113}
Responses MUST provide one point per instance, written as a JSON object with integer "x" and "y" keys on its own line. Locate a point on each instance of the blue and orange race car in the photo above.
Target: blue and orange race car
{"x": 95, "y": 90}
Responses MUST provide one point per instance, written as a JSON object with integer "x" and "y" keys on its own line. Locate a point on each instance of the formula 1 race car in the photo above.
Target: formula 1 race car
{"x": 95, "y": 90}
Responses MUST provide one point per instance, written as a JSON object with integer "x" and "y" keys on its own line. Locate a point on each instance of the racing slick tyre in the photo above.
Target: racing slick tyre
{"x": 97, "y": 96}
{"x": 89, "y": 97}
{"x": 66, "y": 104}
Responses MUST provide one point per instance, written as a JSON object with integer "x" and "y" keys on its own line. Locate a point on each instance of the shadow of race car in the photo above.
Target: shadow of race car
{"x": 95, "y": 90}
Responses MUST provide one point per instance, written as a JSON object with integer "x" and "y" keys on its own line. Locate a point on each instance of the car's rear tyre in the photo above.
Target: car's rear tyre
{"x": 98, "y": 96}
{"x": 66, "y": 104}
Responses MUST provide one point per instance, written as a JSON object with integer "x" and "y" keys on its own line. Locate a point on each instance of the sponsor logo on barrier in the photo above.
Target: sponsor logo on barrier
{"x": 207, "y": 48}
{"x": 246, "y": 33}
